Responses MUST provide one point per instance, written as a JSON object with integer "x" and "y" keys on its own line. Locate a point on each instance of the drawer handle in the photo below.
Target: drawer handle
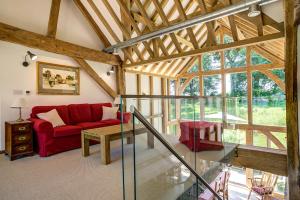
{"x": 23, "y": 128}
{"x": 22, "y": 148}
{"x": 22, "y": 138}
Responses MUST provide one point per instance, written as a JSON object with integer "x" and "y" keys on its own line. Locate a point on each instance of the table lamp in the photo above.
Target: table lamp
{"x": 19, "y": 103}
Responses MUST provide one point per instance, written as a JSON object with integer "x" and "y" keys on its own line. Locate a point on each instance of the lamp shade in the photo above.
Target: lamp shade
{"x": 19, "y": 103}
{"x": 117, "y": 100}
{"x": 32, "y": 55}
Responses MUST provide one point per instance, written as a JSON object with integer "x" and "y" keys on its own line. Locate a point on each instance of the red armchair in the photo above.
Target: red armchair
{"x": 50, "y": 140}
{"x": 201, "y": 135}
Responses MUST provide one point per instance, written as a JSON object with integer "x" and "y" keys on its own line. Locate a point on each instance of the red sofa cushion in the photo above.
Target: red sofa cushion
{"x": 97, "y": 110}
{"x": 111, "y": 122}
{"x": 62, "y": 131}
{"x": 98, "y": 124}
{"x": 89, "y": 125}
{"x": 62, "y": 111}
{"x": 80, "y": 113}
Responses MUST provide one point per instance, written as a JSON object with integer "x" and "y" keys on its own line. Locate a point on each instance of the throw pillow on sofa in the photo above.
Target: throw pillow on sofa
{"x": 109, "y": 112}
{"x": 53, "y": 117}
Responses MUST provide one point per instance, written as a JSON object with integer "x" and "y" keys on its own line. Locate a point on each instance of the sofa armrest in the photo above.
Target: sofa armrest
{"x": 126, "y": 116}
{"x": 42, "y": 127}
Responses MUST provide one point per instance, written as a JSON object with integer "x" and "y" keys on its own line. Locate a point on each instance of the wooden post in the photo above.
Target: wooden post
{"x": 139, "y": 91}
{"x": 292, "y": 101}
{"x": 249, "y": 87}
{"x": 169, "y": 104}
{"x": 223, "y": 81}
{"x": 53, "y": 18}
{"x": 177, "y": 107}
{"x": 151, "y": 102}
{"x": 164, "y": 106}
{"x": 249, "y": 133}
{"x": 201, "y": 92}
{"x": 121, "y": 84}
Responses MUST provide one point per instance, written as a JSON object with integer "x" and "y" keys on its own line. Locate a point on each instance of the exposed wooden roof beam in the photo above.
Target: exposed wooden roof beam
{"x": 93, "y": 74}
{"x": 166, "y": 23}
{"x": 108, "y": 27}
{"x": 150, "y": 26}
{"x": 53, "y": 18}
{"x": 135, "y": 27}
{"x": 183, "y": 16}
{"x": 210, "y": 25}
{"x": 184, "y": 41}
{"x": 122, "y": 27}
{"x": 220, "y": 47}
{"x": 15, "y": 35}
{"x": 91, "y": 21}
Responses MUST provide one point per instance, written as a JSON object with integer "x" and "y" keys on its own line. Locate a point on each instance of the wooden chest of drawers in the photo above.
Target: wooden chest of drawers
{"x": 18, "y": 139}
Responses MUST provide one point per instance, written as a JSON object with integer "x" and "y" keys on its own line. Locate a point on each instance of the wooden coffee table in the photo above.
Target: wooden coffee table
{"x": 106, "y": 134}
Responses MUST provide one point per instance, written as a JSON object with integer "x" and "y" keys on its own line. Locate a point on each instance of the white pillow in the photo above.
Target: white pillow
{"x": 109, "y": 112}
{"x": 53, "y": 117}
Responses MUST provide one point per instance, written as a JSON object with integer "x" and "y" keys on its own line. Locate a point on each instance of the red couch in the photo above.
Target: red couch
{"x": 196, "y": 135}
{"x": 51, "y": 140}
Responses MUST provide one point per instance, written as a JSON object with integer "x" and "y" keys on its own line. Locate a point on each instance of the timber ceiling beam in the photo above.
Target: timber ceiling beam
{"x": 149, "y": 24}
{"x": 183, "y": 16}
{"x": 215, "y": 48}
{"x": 232, "y": 24}
{"x": 265, "y": 159}
{"x": 165, "y": 22}
{"x": 92, "y": 22}
{"x": 18, "y": 36}
{"x": 210, "y": 25}
{"x": 108, "y": 27}
{"x": 93, "y": 74}
{"x": 53, "y": 18}
{"x": 122, "y": 27}
{"x": 135, "y": 27}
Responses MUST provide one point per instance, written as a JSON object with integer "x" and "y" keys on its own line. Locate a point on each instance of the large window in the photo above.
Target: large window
{"x": 235, "y": 58}
{"x": 257, "y": 59}
{"x": 211, "y": 61}
{"x": 242, "y": 114}
{"x": 268, "y": 101}
{"x": 236, "y": 101}
{"x": 212, "y": 85}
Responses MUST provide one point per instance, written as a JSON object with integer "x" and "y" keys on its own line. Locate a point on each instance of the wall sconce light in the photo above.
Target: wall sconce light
{"x": 115, "y": 52}
{"x": 111, "y": 71}
{"x": 254, "y": 10}
{"x": 31, "y": 56}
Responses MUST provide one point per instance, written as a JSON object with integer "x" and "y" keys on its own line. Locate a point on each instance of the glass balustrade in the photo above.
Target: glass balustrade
{"x": 152, "y": 170}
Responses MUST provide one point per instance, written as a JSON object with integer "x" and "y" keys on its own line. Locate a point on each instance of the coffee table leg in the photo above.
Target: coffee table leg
{"x": 85, "y": 145}
{"x": 105, "y": 149}
{"x": 150, "y": 139}
{"x": 130, "y": 139}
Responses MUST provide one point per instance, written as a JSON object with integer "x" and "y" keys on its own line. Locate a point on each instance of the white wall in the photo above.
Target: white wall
{"x": 15, "y": 77}
{"x": 33, "y": 15}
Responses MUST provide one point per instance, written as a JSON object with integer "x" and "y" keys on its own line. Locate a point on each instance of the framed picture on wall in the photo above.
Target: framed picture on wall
{"x": 54, "y": 79}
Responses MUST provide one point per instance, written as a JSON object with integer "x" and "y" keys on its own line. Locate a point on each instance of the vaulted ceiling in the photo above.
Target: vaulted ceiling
{"x": 169, "y": 54}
